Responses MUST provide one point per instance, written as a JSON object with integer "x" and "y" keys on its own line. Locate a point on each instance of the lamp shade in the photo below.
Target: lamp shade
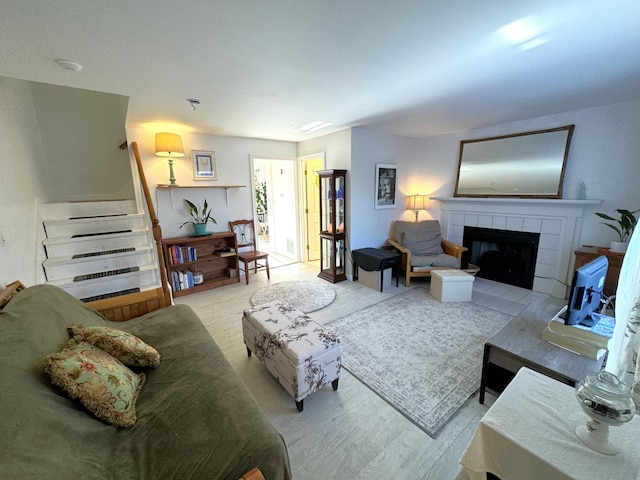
{"x": 169, "y": 145}
{"x": 417, "y": 202}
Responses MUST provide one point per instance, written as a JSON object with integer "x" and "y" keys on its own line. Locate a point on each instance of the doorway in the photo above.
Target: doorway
{"x": 275, "y": 202}
{"x": 289, "y": 233}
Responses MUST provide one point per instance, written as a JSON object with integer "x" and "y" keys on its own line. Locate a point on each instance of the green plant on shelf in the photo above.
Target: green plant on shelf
{"x": 200, "y": 216}
{"x": 624, "y": 225}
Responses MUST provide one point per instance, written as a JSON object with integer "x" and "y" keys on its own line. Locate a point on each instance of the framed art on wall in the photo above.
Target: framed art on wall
{"x": 386, "y": 184}
{"x": 204, "y": 165}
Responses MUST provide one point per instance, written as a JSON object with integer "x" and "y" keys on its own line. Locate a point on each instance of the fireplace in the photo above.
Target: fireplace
{"x": 505, "y": 256}
{"x": 558, "y": 221}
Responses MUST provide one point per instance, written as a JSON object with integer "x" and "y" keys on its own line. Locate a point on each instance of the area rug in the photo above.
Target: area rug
{"x": 304, "y": 296}
{"x": 422, "y": 356}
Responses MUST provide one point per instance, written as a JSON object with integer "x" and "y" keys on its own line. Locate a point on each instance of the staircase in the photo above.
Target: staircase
{"x": 98, "y": 250}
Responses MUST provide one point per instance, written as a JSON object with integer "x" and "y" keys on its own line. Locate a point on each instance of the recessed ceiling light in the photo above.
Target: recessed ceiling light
{"x": 313, "y": 126}
{"x": 68, "y": 65}
{"x": 525, "y": 33}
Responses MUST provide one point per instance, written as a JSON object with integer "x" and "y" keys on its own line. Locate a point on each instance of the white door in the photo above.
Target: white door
{"x": 278, "y": 226}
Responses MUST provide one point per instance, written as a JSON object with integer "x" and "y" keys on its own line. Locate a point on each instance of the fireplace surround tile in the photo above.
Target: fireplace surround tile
{"x": 557, "y": 221}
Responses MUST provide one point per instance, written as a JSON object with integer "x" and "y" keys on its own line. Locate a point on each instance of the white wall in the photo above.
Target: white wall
{"x": 234, "y": 168}
{"x": 371, "y": 227}
{"x": 81, "y": 133}
{"x": 22, "y": 186}
{"x": 338, "y": 156}
{"x": 604, "y": 153}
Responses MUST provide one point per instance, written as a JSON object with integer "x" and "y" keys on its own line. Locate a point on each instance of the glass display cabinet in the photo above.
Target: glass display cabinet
{"x": 333, "y": 199}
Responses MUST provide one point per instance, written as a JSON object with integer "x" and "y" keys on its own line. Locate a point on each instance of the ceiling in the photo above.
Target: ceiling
{"x": 264, "y": 68}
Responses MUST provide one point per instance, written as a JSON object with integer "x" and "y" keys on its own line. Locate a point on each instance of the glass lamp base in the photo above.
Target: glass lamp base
{"x": 595, "y": 435}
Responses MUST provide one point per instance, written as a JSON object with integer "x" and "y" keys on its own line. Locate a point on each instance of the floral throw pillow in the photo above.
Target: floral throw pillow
{"x": 105, "y": 386}
{"x": 127, "y": 348}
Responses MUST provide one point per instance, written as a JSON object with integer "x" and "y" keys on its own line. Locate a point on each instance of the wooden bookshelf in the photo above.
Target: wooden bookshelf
{"x": 191, "y": 254}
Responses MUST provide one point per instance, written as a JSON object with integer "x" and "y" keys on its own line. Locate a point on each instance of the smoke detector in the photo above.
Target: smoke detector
{"x": 194, "y": 102}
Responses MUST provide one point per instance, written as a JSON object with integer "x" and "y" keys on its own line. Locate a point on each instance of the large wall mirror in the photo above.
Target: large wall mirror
{"x": 523, "y": 165}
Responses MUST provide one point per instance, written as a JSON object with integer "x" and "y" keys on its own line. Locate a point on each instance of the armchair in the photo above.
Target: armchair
{"x": 423, "y": 248}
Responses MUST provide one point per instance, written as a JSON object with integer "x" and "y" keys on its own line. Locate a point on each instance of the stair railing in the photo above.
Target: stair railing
{"x": 155, "y": 225}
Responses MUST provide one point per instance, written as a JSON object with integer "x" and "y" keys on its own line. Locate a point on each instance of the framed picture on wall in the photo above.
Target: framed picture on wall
{"x": 204, "y": 165}
{"x": 386, "y": 185}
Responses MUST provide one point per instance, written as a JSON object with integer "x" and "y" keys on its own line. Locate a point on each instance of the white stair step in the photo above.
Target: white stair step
{"x": 103, "y": 296}
{"x": 80, "y": 209}
{"x": 68, "y": 227}
{"x": 69, "y": 246}
{"x": 143, "y": 278}
{"x": 58, "y": 268}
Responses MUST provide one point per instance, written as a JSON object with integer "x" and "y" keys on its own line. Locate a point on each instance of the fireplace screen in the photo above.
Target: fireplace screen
{"x": 503, "y": 255}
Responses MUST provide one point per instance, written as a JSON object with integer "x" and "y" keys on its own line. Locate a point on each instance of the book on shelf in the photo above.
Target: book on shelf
{"x": 598, "y": 335}
{"x": 182, "y": 254}
{"x": 182, "y": 280}
{"x": 225, "y": 252}
{"x": 574, "y": 345}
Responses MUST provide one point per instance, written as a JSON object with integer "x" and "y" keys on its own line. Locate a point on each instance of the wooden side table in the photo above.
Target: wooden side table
{"x": 519, "y": 344}
{"x": 586, "y": 253}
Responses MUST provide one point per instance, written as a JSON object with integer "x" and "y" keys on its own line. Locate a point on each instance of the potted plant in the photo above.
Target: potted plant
{"x": 623, "y": 227}
{"x": 200, "y": 217}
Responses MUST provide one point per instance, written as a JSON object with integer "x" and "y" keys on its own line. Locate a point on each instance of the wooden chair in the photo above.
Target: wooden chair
{"x": 247, "y": 252}
{"x": 451, "y": 256}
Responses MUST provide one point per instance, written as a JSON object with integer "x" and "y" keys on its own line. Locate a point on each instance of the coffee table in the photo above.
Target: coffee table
{"x": 519, "y": 344}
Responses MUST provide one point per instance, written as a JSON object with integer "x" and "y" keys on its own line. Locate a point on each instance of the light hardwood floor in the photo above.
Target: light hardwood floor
{"x": 351, "y": 433}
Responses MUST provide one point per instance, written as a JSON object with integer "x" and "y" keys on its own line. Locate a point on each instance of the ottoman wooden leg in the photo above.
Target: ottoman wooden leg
{"x": 334, "y": 384}
{"x": 300, "y": 405}
{"x": 248, "y": 352}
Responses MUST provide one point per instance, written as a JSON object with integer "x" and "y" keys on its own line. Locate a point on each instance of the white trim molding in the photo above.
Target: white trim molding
{"x": 557, "y": 221}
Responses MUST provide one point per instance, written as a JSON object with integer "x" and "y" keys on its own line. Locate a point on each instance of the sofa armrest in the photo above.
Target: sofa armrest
{"x": 9, "y": 291}
{"x": 126, "y": 307}
{"x": 254, "y": 474}
{"x": 453, "y": 249}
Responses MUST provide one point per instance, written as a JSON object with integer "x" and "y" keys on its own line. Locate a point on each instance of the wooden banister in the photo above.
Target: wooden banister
{"x": 155, "y": 224}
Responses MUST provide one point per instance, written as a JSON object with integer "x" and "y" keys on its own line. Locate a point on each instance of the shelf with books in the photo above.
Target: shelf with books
{"x": 195, "y": 264}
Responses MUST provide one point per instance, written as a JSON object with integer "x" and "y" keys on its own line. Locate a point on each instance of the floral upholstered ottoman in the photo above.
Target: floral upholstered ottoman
{"x": 302, "y": 354}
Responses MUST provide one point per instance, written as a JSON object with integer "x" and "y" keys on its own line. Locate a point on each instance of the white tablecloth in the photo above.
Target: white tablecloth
{"x": 529, "y": 433}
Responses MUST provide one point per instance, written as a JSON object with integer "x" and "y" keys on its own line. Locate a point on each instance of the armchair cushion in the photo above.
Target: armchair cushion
{"x": 425, "y": 262}
{"x": 423, "y": 243}
{"x": 424, "y": 240}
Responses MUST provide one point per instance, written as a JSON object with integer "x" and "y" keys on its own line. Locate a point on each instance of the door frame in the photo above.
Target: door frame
{"x": 304, "y": 240}
{"x": 295, "y": 192}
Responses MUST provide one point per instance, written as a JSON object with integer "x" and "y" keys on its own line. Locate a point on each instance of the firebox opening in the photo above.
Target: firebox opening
{"x": 505, "y": 256}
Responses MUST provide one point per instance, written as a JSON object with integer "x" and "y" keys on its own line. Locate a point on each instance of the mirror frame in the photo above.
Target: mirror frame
{"x": 558, "y": 194}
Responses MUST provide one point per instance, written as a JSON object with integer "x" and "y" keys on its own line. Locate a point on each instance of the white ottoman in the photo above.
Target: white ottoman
{"x": 451, "y": 285}
{"x": 302, "y": 354}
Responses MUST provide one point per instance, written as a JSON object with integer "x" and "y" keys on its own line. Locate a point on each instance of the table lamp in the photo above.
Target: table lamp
{"x": 169, "y": 145}
{"x": 416, "y": 203}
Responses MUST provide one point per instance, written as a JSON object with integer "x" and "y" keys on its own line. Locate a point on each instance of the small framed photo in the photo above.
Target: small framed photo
{"x": 204, "y": 165}
{"x": 386, "y": 185}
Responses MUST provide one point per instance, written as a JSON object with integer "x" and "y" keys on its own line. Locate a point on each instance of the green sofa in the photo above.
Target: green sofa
{"x": 195, "y": 417}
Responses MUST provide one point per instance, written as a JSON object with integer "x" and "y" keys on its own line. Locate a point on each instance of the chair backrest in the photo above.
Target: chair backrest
{"x": 425, "y": 226}
{"x": 245, "y": 233}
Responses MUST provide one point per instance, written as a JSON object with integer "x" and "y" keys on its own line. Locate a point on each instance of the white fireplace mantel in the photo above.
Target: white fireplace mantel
{"x": 558, "y": 222}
